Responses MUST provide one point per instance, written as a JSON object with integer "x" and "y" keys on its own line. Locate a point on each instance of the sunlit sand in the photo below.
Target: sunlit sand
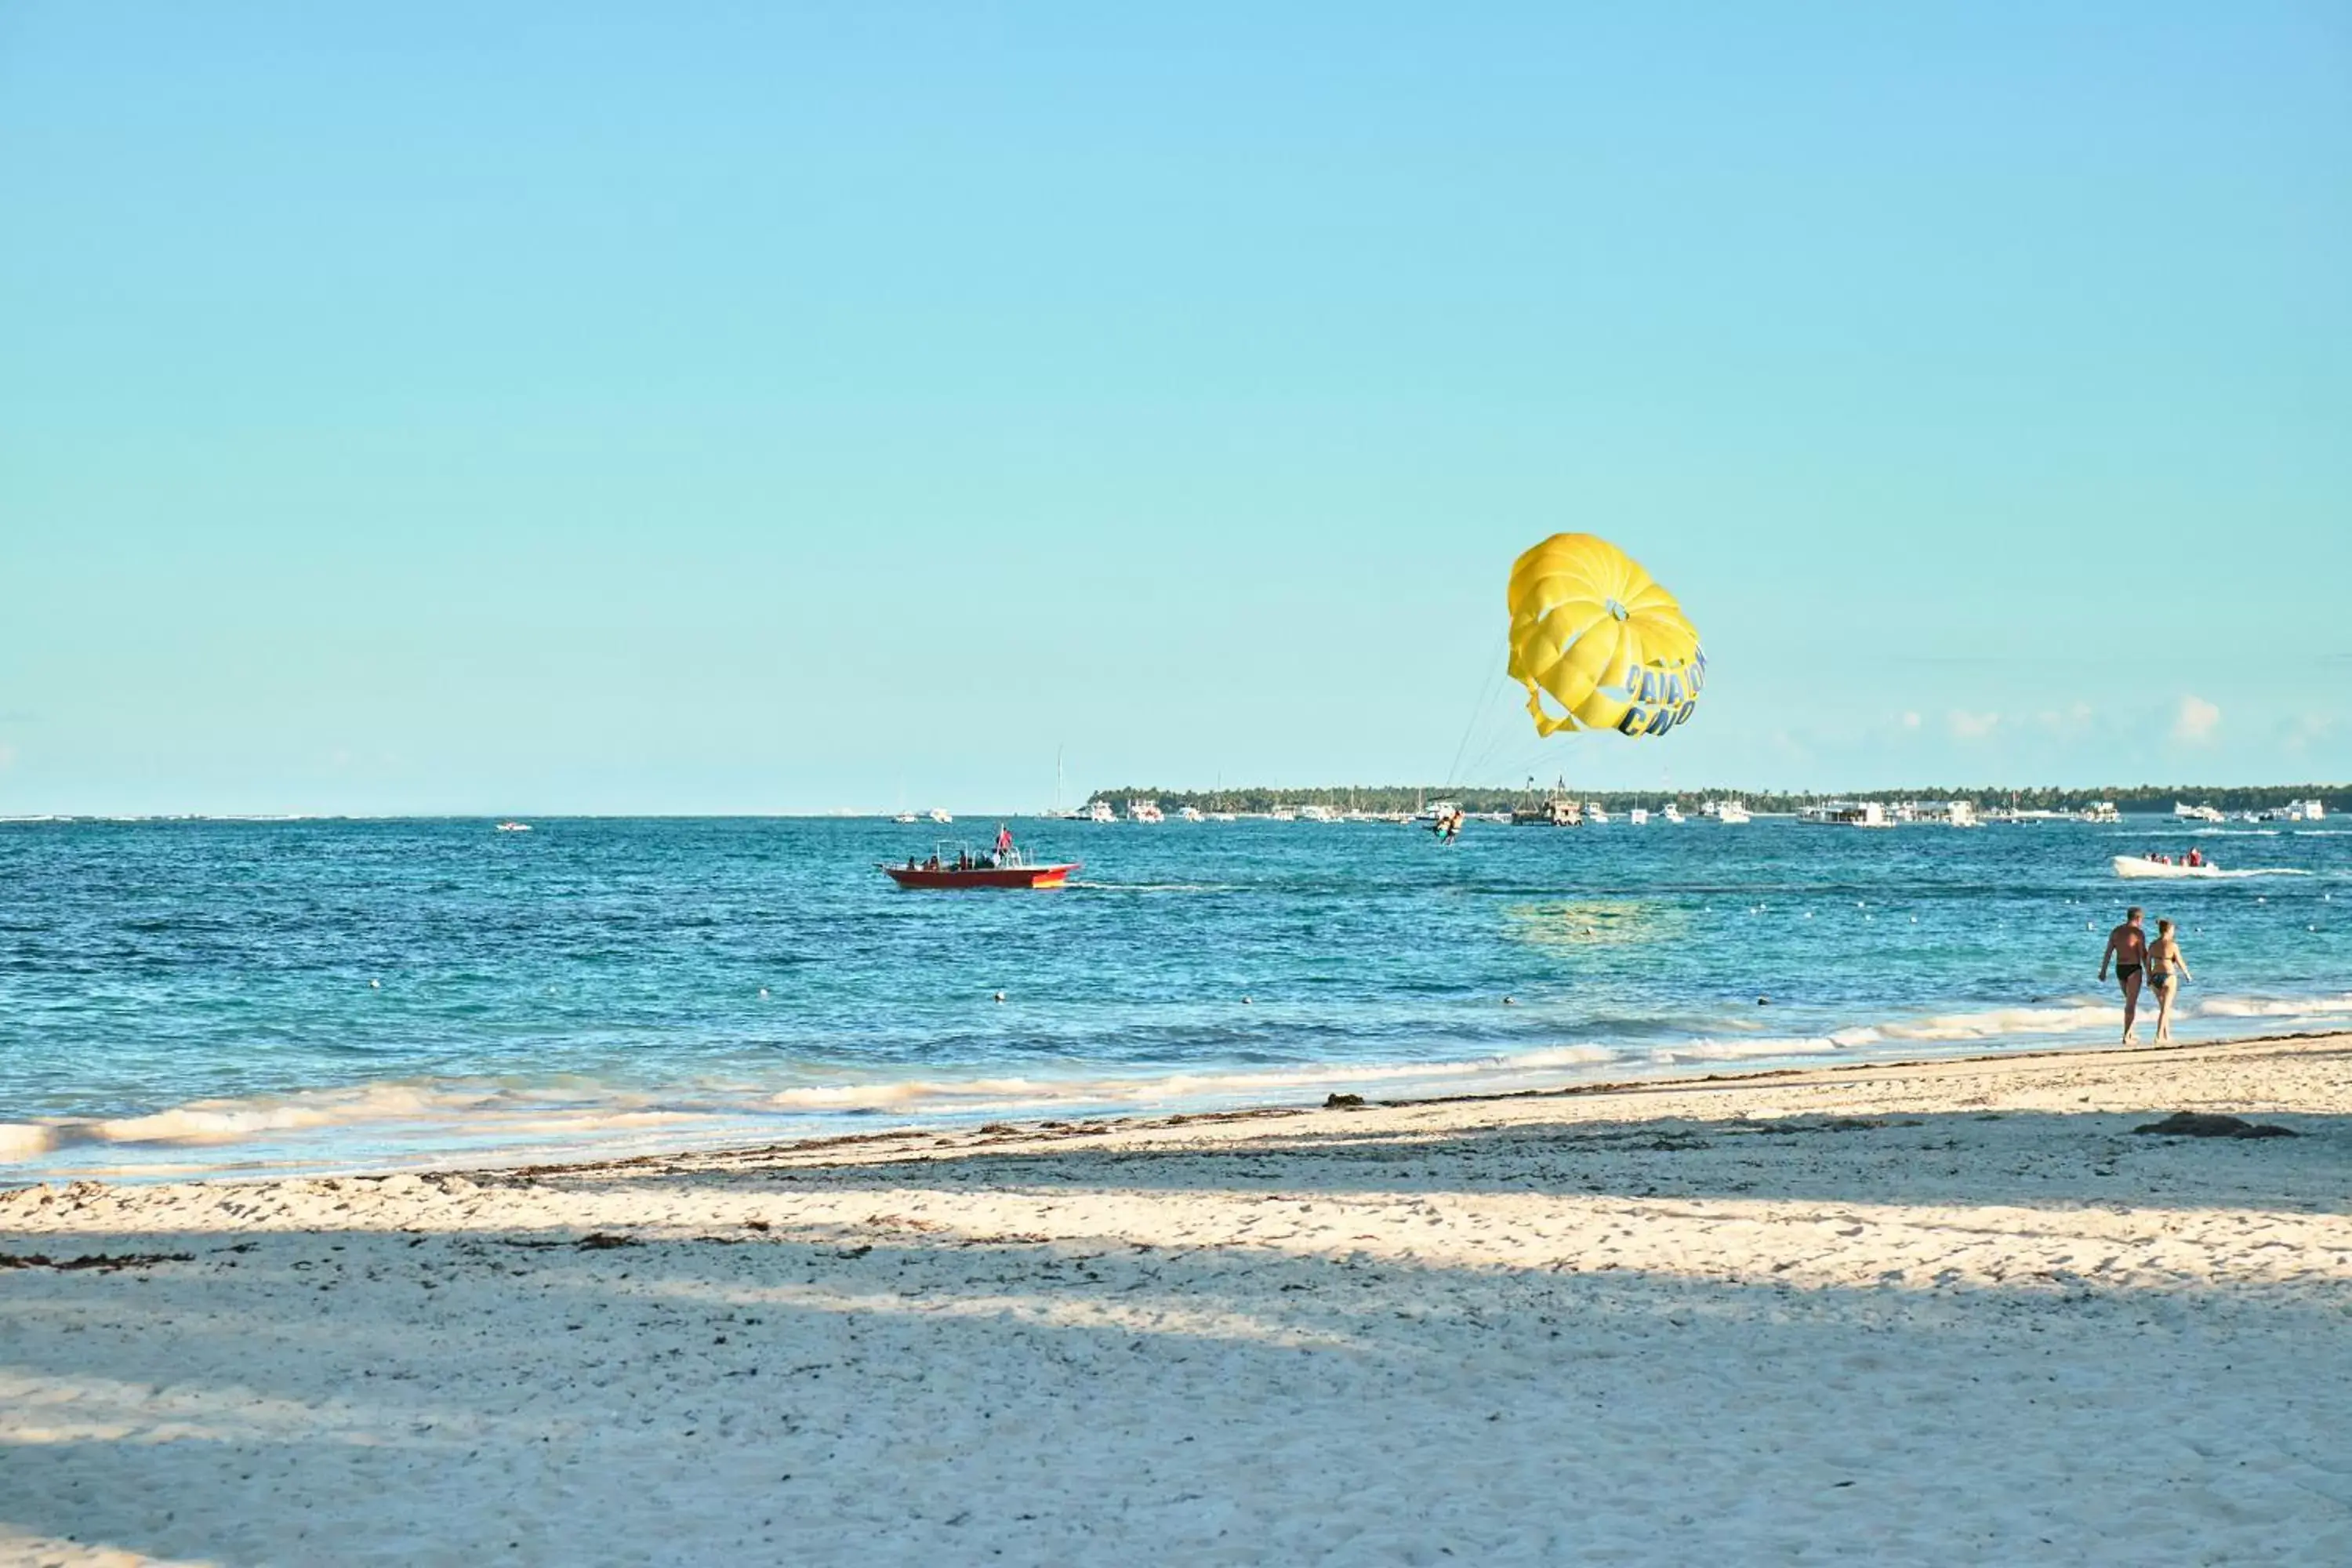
{"x": 1954, "y": 1311}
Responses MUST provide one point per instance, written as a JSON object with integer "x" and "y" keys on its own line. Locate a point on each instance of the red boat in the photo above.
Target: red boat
{"x": 1005, "y": 868}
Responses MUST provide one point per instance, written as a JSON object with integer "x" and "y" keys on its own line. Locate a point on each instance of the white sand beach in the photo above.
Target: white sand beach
{"x": 1949, "y": 1313}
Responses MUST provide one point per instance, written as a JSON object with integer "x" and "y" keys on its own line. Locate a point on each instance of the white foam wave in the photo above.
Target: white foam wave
{"x": 412, "y": 1122}
{"x": 23, "y": 1140}
{"x": 1768, "y": 1048}
{"x": 2271, "y": 1006}
{"x": 1996, "y": 1022}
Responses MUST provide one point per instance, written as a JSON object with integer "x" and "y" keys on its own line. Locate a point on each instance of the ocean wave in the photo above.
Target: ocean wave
{"x": 1768, "y": 1047}
{"x": 474, "y": 1122}
{"x": 2197, "y": 833}
{"x": 2270, "y": 1007}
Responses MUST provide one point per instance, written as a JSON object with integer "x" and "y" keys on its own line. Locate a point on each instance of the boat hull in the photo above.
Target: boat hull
{"x": 949, "y": 876}
{"x": 2133, "y": 870}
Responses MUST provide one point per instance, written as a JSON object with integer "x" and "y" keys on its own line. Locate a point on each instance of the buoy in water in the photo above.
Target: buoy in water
{"x": 1000, "y": 995}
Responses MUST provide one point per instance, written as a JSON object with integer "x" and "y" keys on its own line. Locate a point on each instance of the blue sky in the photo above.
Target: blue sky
{"x": 761, "y": 408}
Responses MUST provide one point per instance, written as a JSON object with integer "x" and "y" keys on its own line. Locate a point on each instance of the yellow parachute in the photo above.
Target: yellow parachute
{"x": 1597, "y": 643}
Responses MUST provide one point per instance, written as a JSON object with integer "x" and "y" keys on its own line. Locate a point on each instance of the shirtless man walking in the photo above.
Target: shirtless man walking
{"x": 2127, "y": 947}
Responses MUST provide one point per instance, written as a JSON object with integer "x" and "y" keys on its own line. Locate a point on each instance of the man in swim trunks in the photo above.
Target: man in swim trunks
{"x": 2127, "y": 947}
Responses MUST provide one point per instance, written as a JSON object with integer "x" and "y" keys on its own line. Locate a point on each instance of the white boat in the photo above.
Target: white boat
{"x": 2101, "y": 812}
{"x": 1730, "y": 813}
{"x": 1192, "y": 814}
{"x": 2198, "y": 813}
{"x": 1146, "y": 811}
{"x": 514, "y": 827}
{"x": 1639, "y": 817}
{"x": 905, "y": 817}
{"x": 1672, "y": 813}
{"x": 1316, "y": 813}
{"x": 1846, "y": 813}
{"x": 1594, "y": 815}
{"x": 1223, "y": 817}
{"x": 1099, "y": 811}
{"x": 2301, "y": 811}
{"x": 2134, "y": 868}
{"x": 1282, "y": 814}
{"x": 941, "y": 817}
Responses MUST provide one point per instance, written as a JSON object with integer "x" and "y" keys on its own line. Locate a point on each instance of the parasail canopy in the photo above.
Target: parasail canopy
{"x": 1598, "y": 644}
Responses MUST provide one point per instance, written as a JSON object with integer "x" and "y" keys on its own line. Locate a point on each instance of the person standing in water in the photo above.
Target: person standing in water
{"x": 2166, "y": 970}
{"x": 2128, "y": 947}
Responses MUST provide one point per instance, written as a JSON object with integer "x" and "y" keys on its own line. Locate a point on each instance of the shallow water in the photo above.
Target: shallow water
{"x": 206, "y": 997}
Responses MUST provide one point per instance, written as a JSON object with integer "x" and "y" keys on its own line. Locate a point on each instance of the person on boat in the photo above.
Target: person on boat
{"x": 933, "y": 863}
{"x": 2196, "y": 858}
{"x": 1004, "y": 839}
{"x": 2166, "y": 970}
{"x": 2128, "y": 947}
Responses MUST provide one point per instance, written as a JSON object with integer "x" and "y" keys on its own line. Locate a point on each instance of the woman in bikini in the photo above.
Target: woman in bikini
{"x": 2166, "y": 970}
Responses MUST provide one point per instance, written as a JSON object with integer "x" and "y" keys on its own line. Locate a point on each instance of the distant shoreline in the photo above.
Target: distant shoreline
{"x": 2133, "y": 801}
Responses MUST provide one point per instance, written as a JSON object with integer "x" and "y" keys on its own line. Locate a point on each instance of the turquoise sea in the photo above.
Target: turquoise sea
{"x": 217, "y": 997}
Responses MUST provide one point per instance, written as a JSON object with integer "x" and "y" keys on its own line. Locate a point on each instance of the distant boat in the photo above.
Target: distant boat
{"x": 2134, "y": 867}
{"x": 514, "y": 827}
{"x": 1638, "y": 817}
{"x": 1846, "y": 813}
{"x": 941, "y": 817}
{"x": 2101, "y": 812}
{"x": 1558, "y": 810}
{"x": 1316, "y": 813}
{"x": 2198, "y": 813}
{"x": 1191, "y": 814}
{"x": 1671, "y": 813}
{"x": 905, "y": 817}
{"x": 1594, "y": 815}
{"x": 1147, "y": 811}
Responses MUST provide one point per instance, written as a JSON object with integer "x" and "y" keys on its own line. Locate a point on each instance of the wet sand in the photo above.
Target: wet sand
{"x": 1954, "y": 1312}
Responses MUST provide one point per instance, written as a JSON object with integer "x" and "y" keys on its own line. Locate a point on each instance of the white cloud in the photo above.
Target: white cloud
{"x": 1966, "y": 726}
{"x": 2307, "y": 728}
{"x": 2194, "y": 720}
{"x": 2067, "y": 721}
